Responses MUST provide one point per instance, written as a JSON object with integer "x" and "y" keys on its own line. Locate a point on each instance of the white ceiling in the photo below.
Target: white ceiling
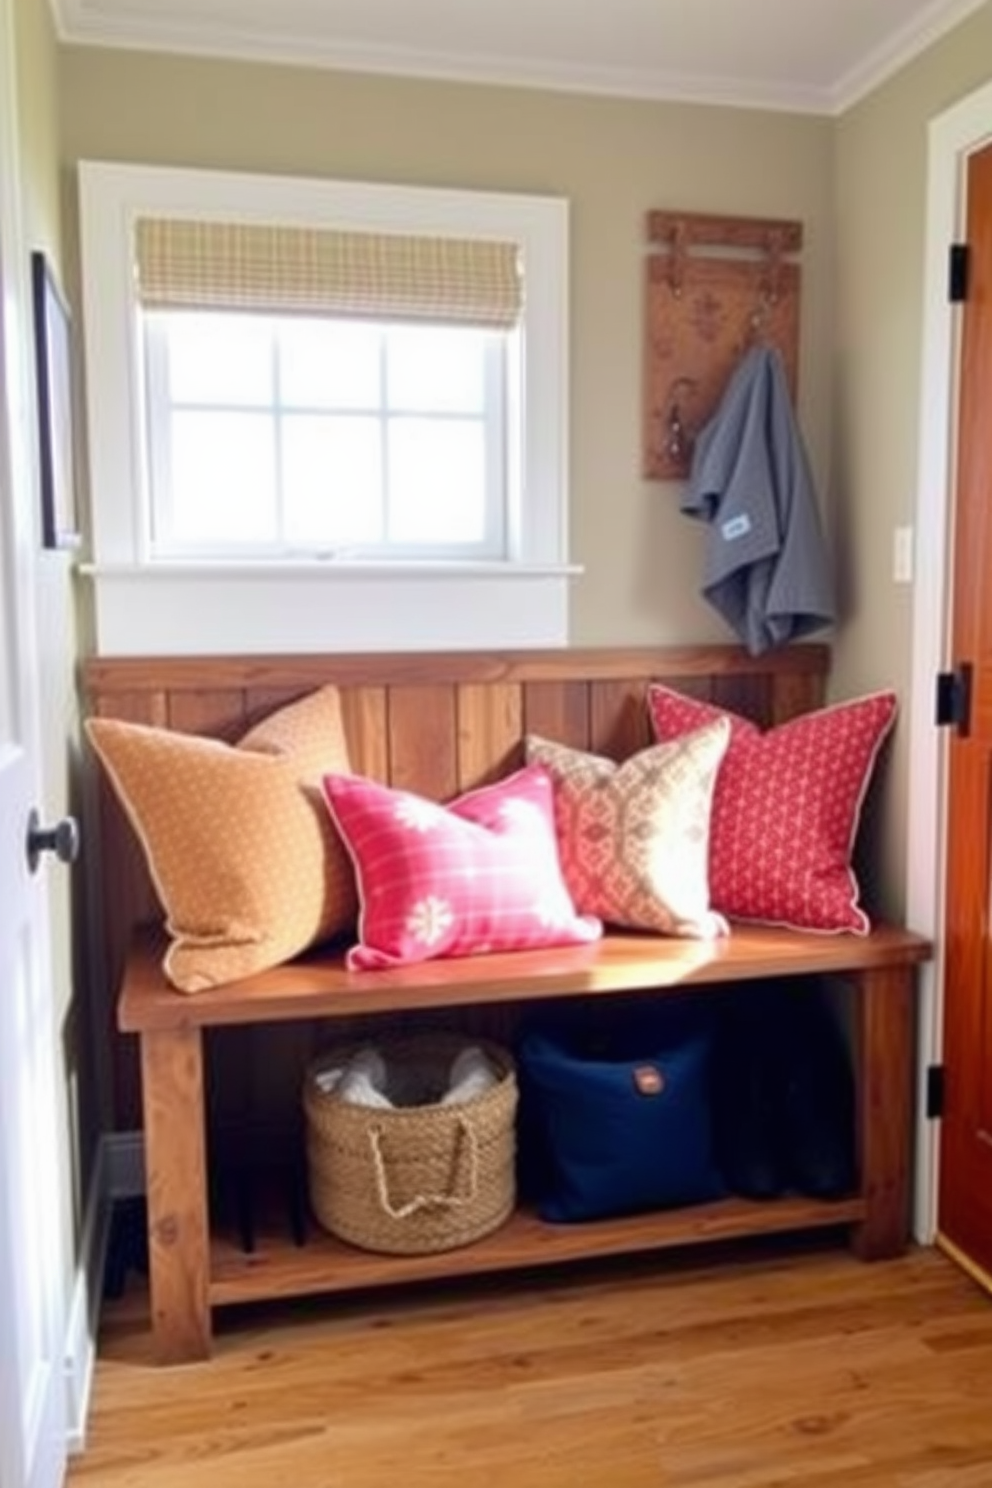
{"x": 810, "y": 55}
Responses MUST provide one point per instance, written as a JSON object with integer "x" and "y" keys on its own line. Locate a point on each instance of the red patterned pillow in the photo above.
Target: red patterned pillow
{"x": 479, "y": 874}
{"x": 786, "y": 808}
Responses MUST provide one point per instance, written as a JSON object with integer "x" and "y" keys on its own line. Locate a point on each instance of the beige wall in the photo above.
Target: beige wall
{"x": 38, "y": 133}
{"x": 881, "y": 185}
{"x": 612, "y": 159}
{"x": 38, "y": 118}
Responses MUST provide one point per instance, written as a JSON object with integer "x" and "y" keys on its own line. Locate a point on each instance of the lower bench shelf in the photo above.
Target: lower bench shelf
{"x": 277, "y": 1267}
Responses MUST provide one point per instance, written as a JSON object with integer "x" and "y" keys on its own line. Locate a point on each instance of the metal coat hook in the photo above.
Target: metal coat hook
{"x": 677, "y": 443}
{"x": 760, "y": 316}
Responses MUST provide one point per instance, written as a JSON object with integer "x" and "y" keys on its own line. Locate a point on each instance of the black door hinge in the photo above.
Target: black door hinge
{"x": 953, "y": 699}
{"x": 957, "y": 273}
{"x": 935, "y": 1091}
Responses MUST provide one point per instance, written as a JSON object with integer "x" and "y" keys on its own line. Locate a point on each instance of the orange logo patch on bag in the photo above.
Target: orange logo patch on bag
{"x": 648, "y": 1079}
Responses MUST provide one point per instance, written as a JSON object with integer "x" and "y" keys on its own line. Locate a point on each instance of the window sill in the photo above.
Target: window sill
{"x": 238, "y": 608}
{"x": 215, "y": 570}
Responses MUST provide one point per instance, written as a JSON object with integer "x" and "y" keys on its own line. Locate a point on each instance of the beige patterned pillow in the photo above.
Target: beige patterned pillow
{"x": 246, "y": 862}
{"x": 634, "y": 838}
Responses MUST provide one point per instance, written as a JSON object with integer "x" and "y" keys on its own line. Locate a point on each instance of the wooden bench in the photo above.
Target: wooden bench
{"x": 220, "y": 1072}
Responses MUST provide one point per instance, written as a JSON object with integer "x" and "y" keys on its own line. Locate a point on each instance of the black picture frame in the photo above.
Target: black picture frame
{"x": 53, "y": 364}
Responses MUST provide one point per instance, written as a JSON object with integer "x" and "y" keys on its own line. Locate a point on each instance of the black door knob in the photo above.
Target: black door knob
{"x": 62, "y": 840}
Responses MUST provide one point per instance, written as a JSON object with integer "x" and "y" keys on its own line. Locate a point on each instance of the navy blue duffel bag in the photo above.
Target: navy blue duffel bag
{"x": 616, "y": 1124}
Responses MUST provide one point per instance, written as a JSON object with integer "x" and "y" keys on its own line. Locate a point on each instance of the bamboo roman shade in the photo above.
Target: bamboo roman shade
{"x": 203, "y": 265}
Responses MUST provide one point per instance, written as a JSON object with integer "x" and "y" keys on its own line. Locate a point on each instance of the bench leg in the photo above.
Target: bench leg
{"x": 176, "y": 1181}
{"x": 885, "y": 1004}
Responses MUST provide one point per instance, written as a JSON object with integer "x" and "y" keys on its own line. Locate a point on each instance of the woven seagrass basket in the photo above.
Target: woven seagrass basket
{"x": 416, "y": 1178}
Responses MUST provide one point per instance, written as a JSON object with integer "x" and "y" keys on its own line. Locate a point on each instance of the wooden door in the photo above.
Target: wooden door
{"x": 965, "y": 1191}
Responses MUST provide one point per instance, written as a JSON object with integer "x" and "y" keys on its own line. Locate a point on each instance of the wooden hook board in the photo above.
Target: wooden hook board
{"x": 715, "y": 286}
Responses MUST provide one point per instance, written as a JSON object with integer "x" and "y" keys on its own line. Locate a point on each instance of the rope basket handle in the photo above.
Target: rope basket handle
{"x": 425, "y": 1201}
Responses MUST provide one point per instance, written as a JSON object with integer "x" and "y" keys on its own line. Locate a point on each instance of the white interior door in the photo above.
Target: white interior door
{"x": 32, "y": 1326}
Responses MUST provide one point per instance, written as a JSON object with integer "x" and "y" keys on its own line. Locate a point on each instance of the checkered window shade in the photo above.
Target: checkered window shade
{"x": 241, "y": 266}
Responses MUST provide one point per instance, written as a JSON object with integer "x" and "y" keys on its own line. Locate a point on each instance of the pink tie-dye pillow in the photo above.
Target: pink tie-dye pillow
{"x": 478, "y": 874}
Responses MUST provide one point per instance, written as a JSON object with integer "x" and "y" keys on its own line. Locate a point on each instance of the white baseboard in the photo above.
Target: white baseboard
{"x": 79, "y": 1356}
{"x": 118, "y": 1173}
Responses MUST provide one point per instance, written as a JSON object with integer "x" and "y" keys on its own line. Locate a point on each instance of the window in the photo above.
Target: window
{"x": 290, "y": 437}
{"x": 318, "y": 390}
{"x": 294, "y": 383}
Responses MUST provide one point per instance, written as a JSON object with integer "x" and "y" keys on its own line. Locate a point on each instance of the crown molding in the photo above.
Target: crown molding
{"x": 899, "y": 49}
{"x": 298, "y": 49}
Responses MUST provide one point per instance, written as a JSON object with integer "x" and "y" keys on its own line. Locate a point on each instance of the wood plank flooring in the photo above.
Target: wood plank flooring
{"x": 764, "y": 1369}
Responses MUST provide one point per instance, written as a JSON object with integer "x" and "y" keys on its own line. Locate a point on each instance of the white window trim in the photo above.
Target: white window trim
{"x": 407, "y": 605}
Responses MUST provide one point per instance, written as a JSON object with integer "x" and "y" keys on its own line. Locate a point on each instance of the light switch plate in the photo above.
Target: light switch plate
{"x": 902, "y": 555}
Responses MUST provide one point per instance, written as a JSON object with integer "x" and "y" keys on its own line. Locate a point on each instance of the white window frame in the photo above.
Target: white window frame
{"x": 146, "y": 606}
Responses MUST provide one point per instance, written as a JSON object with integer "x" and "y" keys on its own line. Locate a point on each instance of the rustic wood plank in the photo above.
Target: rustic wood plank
{"x": 103, "y": 676}
{"x": 172, "y": 1084}
{"x": 319, "y": 985}
{"x": 219, "y": 713}
{"x": 695, "y": 229}
{"x": 557, "y": 710}
{"x": 793, "y": 693}
{"x": 423, "y": 740}
{"x": 619, "y": 721}
{"x": 490, "y": 728}
{"x": 259, "y": 702}
{"x": 885, "y": 1023}
{"x": 365, "y": 717}
{"x": 750, "y": 696}
{"x": 324, "y": 1264}
{"x": 134, "y": 704}
{"x": 697, "y": 687}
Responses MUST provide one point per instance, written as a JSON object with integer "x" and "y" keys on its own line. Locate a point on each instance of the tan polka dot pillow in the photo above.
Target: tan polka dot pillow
{"x": 633, "y": 838}
{"x": 248, "y": 867}
{"x": 309, "y": 731}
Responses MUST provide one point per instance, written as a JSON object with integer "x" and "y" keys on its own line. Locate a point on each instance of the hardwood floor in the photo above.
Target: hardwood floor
{"x": 769, "y": 1368}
